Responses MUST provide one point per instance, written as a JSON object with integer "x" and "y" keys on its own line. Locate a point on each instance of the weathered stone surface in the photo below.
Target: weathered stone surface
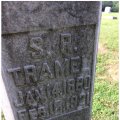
{"x": 48, "y": 59}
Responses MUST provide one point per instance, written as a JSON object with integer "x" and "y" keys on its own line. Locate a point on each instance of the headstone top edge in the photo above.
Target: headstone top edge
{"x": 22, "y": 17}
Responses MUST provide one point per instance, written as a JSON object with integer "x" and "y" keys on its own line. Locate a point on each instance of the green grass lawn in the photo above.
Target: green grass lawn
{"x": 105, "y": 100}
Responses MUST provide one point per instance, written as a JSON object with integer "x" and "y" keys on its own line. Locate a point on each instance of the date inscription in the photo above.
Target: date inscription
{"x": 56, "y": 98}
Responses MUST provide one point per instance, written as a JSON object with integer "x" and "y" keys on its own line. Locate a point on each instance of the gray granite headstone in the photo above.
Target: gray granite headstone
{"x": 48, "y": 59}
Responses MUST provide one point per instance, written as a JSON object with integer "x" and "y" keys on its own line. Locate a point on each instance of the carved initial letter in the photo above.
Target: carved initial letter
{"x": 36, "y": 45}
{"x": 65, "y": 44}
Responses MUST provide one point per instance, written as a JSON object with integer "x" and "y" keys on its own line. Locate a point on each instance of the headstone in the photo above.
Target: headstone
{"x": 107, "y": 9}
{"x": 48, "y": 59}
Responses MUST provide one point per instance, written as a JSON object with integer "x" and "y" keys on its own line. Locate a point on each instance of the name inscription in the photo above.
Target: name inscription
{"x": 43, "y": 72}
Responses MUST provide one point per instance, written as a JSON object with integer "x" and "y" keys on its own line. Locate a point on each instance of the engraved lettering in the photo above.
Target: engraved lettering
{"x": 58, "y": 69}
{"x": 71, "y": 86}
{"x": 74, "y": 97}
{"x": 15, "y": 72}
{"x": 79, "y": 83}
{"x": 30, "y": 99}
{"x": 20, "y": 98}
{"x": 65, "y": 44}
{"x": 30, "y": 73}
{"x": 66, "y": 67}
{"x": 75, "y": 50}
{"x": 48, "y": 90}
{"x": 57, "y": 90}
{"x": 58, "y": 79}
{"x": 87, "y": 82}
{"x": 36, "y": 46}
{"x": 68, "y": 105}
{"x": 58, "y": 107}
{"x": 40, "y": 96}
{"x": 51, "y": 108}
{"x": 63, "y": 105}
{"x": 45, "y": 72}
{"x": 42, "y": 112}
{"x": 82, "y": 99}
{"x": 73, "y": 101}
{"x": 33, "y": 114}
{"x": 22, "y": 114}
{"x": 64, "y": 87}
{"x": 75, "y": 64}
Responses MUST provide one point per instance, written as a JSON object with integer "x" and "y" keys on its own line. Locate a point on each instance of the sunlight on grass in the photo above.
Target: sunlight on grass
{"x": 105, "y": 100}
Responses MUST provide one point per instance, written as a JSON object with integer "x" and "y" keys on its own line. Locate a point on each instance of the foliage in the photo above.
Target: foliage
{"x": 113, "y": 4}
{"x": 115, "y": 7}
{"x": 106, "y": 3}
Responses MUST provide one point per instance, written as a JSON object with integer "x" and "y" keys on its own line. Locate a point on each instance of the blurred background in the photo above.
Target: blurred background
{"x": 105, "y": 100}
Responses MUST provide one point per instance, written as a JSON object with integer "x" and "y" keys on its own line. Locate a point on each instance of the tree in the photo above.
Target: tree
{"x": 113, "y": 4}
{"x": 115, "y": 7}
{"x": 106, "y": 3}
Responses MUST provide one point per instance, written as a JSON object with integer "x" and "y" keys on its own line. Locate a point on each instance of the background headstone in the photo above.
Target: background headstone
{"x": 48, "y": 59}
{"x": 107, "y": 9}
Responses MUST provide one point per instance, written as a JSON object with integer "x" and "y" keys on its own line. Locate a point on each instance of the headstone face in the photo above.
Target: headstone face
{"x": 48, "y": 59}
{"x": 107, "y": 9}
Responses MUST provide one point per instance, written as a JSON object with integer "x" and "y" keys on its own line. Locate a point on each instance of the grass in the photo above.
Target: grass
{"x": 105, "y": 100}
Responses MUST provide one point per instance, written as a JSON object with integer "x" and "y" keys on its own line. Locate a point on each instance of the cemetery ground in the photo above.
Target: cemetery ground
{"x": 105, "y": 100}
